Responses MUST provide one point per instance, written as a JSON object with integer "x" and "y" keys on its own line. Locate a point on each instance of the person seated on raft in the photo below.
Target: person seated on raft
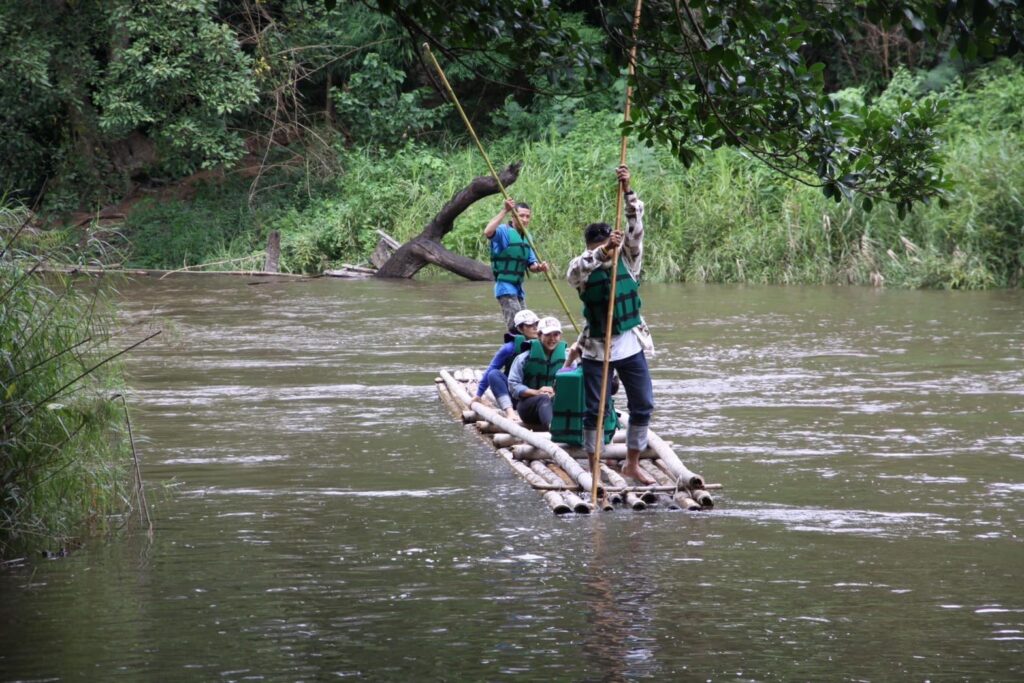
{"x": 532, "y": 376}
{"x": 496, "y": 376}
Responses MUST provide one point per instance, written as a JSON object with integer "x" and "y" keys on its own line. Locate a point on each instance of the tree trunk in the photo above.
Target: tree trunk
{"x": 426, "y": 248}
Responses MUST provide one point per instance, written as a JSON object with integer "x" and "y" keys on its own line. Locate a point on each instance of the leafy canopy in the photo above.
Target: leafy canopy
{"x": 737, "y": 73}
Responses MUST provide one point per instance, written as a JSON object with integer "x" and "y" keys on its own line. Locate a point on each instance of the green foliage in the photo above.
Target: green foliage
{"x": 177, "y": 72}
{"x": 62, "y": 455}
{"x": 180, "y": 233}
{"x": 374, "y": 109}
{"x": 47, "y": 67}
{"x": 727, "y": 219}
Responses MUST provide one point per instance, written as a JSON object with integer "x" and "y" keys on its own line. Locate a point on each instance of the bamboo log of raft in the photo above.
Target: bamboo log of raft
{"x": 504, "y": 440}
{"x": 632, "y": 500}
{"x": 613, "y": 451}
{"x": 561, "y": 458}
{"x": 555, "y": 501}
{"x": 698, "y": 495}
{"x": 578, "y": 505}
{"x": 603, "y": 502}
{"x": 449, "y": 402}
{"x": 682, "y": 496}
{"x": 680, "y": 472}
{"x": 483, "y": 426}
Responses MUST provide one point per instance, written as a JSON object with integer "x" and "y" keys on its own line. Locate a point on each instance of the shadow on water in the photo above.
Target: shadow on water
{"x": 319, "y": 515}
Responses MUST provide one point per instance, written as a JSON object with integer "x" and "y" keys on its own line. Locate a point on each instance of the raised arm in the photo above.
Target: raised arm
{"x": 492, "y": 226}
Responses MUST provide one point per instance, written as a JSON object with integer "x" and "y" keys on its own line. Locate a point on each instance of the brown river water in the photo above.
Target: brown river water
{"x": 319, "y": 516}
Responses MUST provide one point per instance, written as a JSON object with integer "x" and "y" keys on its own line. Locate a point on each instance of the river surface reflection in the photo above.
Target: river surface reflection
{"x": 319, "y": 516}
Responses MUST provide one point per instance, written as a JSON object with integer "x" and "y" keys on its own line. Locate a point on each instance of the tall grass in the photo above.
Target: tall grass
{"x": 727, "y": 219}
{"x": 63, "y": 458}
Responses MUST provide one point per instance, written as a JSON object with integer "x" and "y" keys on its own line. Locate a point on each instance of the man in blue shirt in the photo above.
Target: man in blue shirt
{"x": 511, "y": 257}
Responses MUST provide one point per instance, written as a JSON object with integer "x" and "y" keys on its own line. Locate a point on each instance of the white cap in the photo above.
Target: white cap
{"x": 524, "y": 317}
{"x": 549, "y": 325}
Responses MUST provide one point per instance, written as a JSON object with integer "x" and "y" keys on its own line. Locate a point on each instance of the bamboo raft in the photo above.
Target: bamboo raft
{"x": 561, "y": 473}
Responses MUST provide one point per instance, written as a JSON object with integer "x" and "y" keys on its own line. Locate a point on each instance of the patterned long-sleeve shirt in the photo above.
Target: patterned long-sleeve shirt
{"x": 580, "y": 268}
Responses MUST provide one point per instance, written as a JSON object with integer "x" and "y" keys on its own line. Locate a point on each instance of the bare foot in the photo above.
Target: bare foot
{"x": 638, "y": 473}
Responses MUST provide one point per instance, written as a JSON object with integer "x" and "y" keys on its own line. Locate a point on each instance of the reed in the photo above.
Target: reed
{"x": 64, "y": 457}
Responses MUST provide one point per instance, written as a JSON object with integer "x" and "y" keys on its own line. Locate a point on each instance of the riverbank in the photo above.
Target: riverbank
{"x": 725, "y": 220}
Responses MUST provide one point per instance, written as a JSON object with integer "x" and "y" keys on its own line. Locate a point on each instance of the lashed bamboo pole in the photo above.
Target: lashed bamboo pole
{"x": 703, "y": 498}
{"x": 448, "y": 401}
{"x": 561, "y": 458}
{"x": 485, "y": 427}
{"x": 661, "y": 497}
{"x": 504, "y": 440}
{"x": 578, "y": 505}
{"x": 680, "y": 472}
{"x": 681, "y": 496}
{"x": 595, "y": 461}
{"x": 554, "y": 501}
{"x": 504, "y": 193}
{"x": 615, "y": 479}
{"x": 602, "y": 502}
{"x": 613, "y": 451}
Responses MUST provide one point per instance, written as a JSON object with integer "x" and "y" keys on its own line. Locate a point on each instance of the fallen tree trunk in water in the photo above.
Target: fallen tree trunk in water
{"x": 425, "y": 248}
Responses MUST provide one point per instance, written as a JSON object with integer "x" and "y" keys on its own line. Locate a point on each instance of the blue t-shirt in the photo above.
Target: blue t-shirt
{"x": 498, "y": 244}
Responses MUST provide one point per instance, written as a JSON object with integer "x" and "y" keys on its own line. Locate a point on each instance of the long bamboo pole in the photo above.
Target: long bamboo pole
{"x": 504, "y": 193}
{"x": 595, "y": 462}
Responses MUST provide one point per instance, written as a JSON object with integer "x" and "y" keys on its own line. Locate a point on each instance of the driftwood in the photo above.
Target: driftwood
{"x": 425, "y": 248}
{"x": 351, "y": 272}
{"x": 386, "y": 247}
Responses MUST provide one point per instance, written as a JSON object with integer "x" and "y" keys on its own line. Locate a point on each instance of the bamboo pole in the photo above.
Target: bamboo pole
{"x": 612, "y": 451}
{"x": 595, "y": 461}
{"x": 703, "y": 498}
{"x": 504, "y": 193}
{"x": 448, "y": 401}
{"x": 681, "y": 496}
{"x": 579, "y": 506}
{"x": 675, "y": 466}
{"x": 615, "y": 479}
{"x": 502, "y": 439}
{"x": 563, "y": 459}
{"x": 552, "y": 498}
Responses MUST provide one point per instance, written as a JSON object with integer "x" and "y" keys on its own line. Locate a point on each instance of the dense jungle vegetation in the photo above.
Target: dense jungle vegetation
{"x": 871, "y": 142}
{"x": 208, "y": 124}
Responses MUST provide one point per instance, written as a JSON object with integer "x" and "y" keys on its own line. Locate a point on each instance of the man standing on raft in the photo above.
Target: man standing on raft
{"x": 511, "y": 257}
{"x": 590, "y": 274}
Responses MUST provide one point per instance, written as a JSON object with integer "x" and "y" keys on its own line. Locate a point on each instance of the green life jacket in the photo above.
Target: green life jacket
{"x": 627, "y": 300}
{"x": 519, "y": 344}
{"x": 570, "y": 407}
{"x": 510, "y": 263}
{"x": 540, "y": 370}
